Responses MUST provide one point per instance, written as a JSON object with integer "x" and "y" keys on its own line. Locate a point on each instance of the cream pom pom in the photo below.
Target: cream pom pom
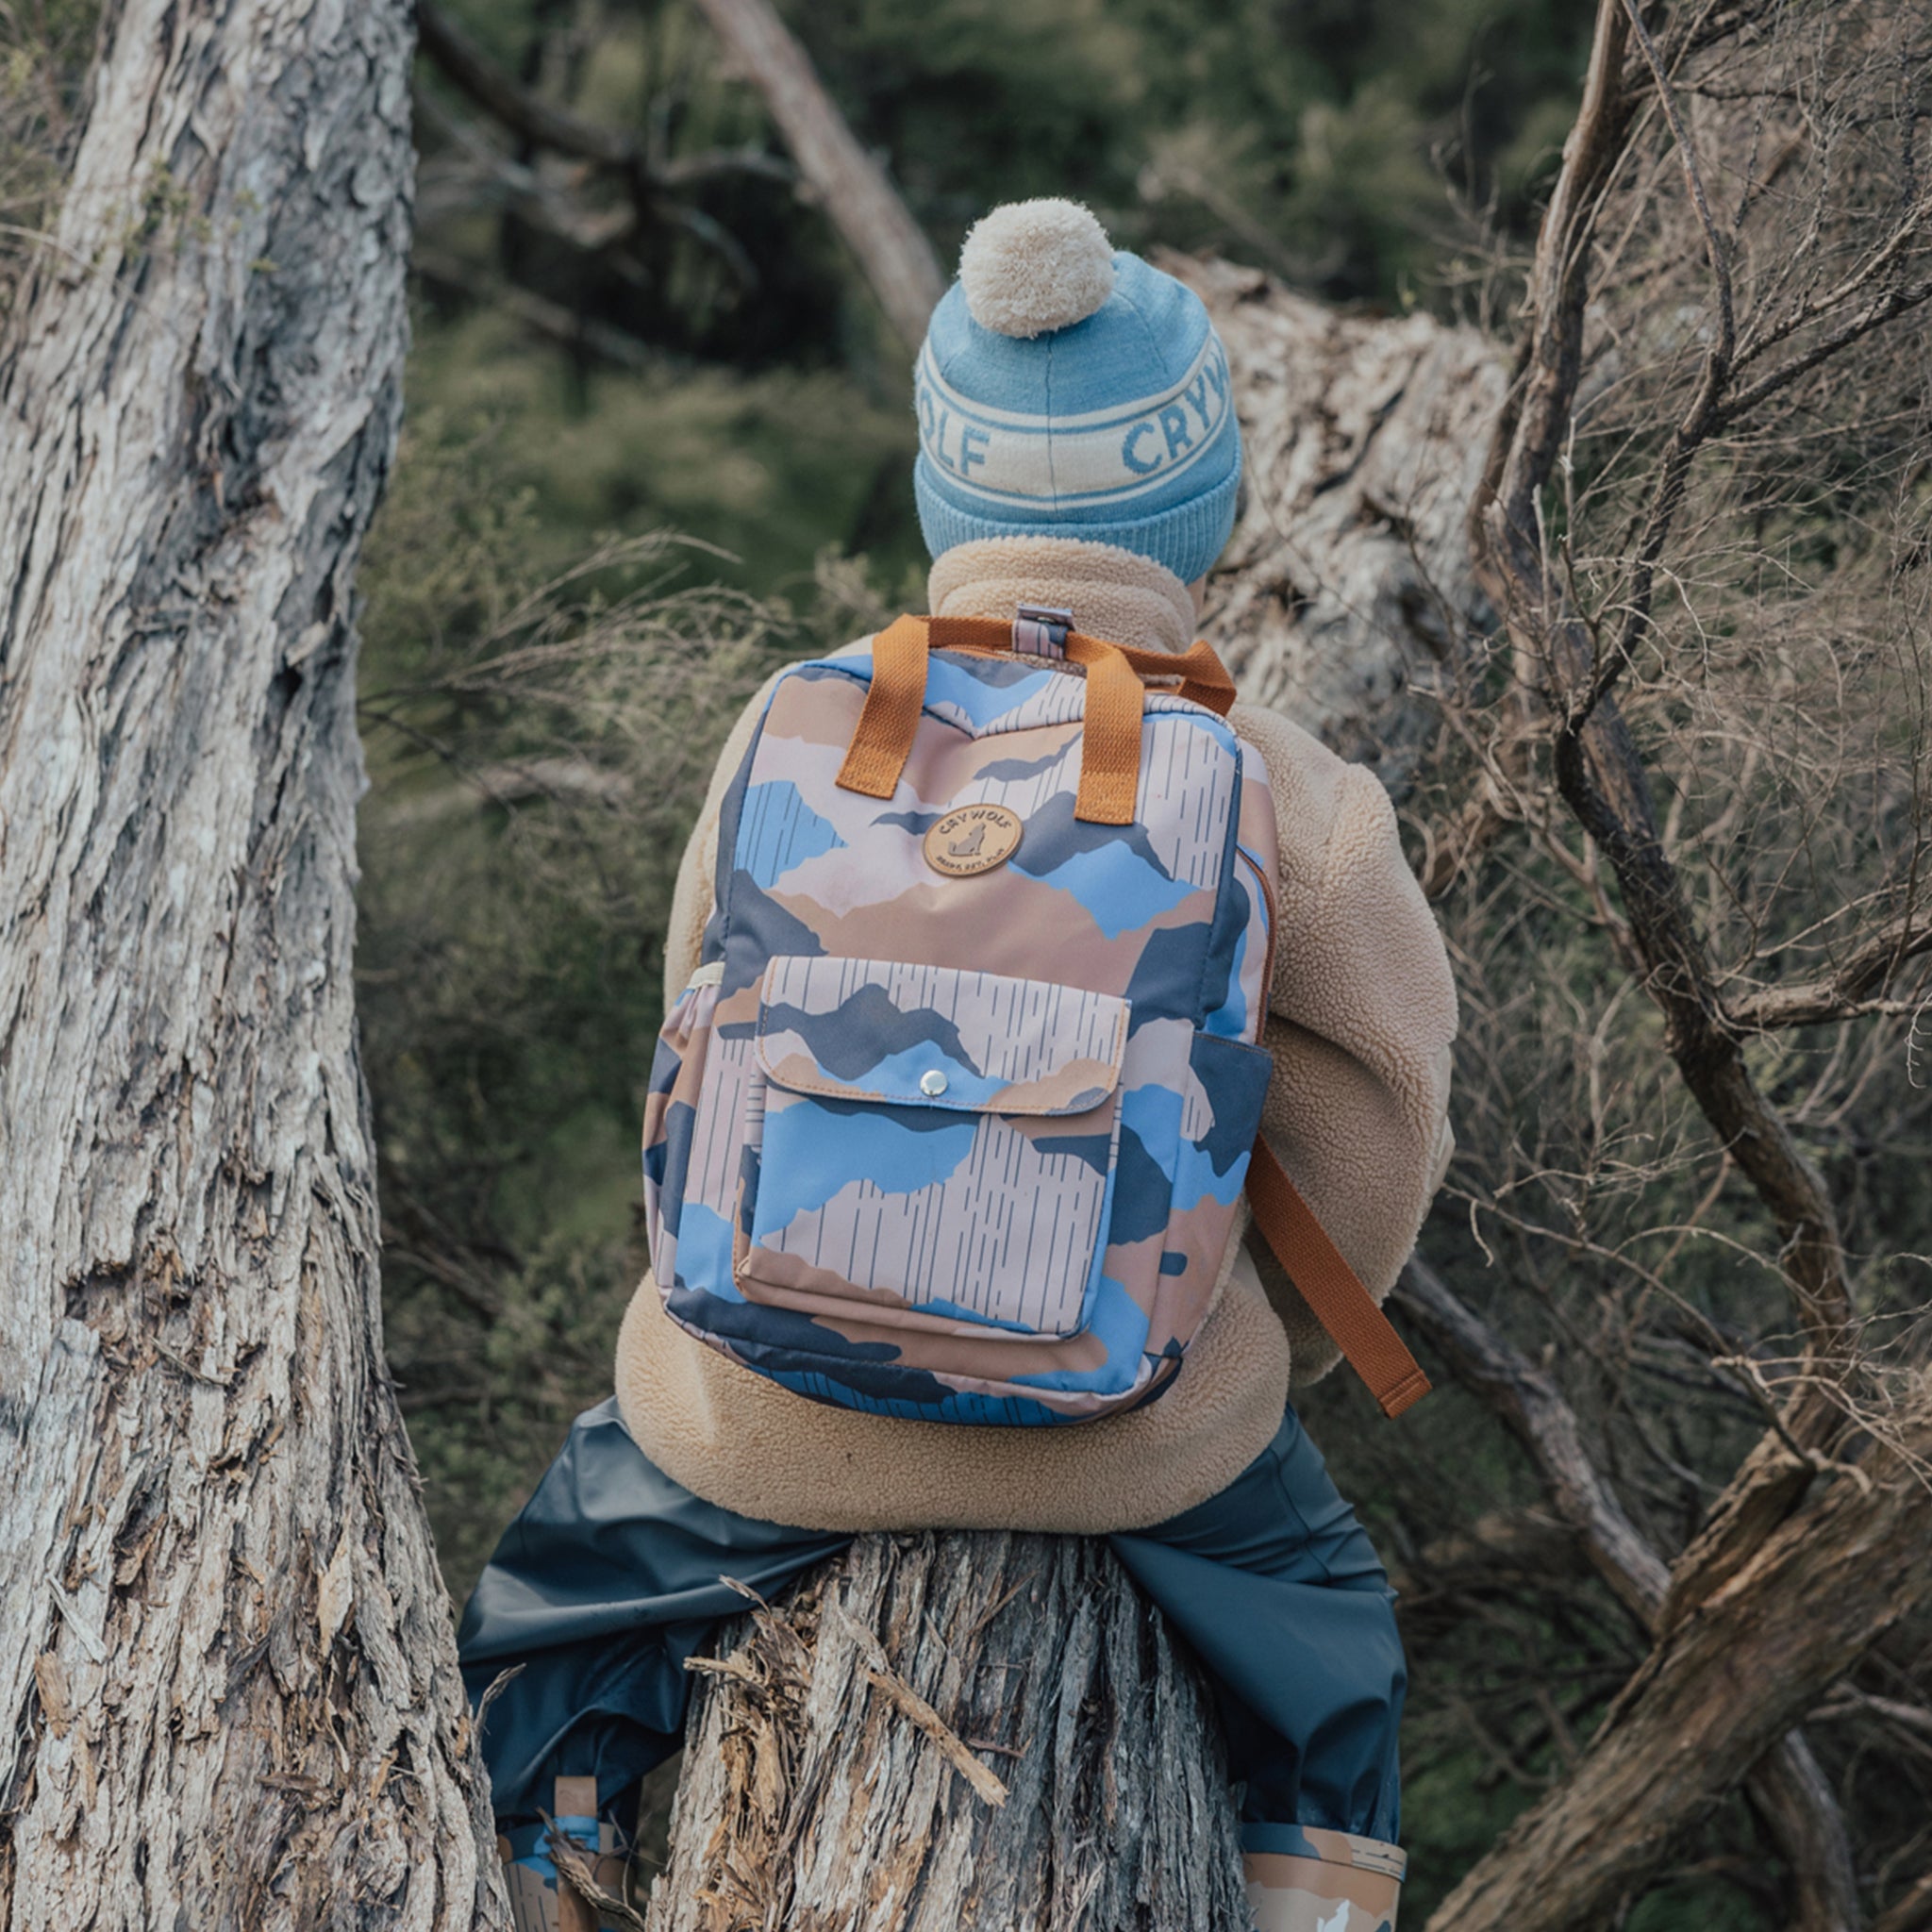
{"x": 1032, "y": 266}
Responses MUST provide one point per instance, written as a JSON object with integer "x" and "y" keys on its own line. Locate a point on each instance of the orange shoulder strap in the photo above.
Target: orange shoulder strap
{"x": 1330, "y": 1286}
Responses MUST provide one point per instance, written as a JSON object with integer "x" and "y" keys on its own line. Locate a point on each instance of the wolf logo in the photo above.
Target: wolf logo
{"x": 972, "y": 839}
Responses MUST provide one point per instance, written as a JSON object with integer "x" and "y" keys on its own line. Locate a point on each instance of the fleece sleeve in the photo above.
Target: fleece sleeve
{"x": 1362, "y": 1017}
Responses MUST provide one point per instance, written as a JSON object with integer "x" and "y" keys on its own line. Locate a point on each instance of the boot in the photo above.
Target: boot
{"x": 1331, "y": 1882}
{"x": 539, "y": 1900}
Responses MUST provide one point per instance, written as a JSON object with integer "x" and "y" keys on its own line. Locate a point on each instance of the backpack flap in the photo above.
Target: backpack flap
{"x": 929, "y": 1148}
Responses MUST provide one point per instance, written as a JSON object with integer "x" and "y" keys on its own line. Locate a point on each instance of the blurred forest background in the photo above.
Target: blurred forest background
{"x": 659, "y": 437}
{"x": 727, "y": 377}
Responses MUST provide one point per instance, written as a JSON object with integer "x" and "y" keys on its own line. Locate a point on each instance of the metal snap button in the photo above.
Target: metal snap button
{"x": 932, "y": 1083}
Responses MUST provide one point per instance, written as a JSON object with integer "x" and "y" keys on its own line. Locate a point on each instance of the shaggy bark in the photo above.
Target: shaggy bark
{"x": 1786, "y": 1787}
{"x": 1346, "y": 597}
{"x": 1721, "y": 1689}
{"x": 228, "y": 1694}
{"x": 961, "y": 1731}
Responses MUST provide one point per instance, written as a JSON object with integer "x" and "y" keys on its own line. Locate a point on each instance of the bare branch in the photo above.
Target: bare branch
{"x": 537, "y": 120}
{"x": 469, "y": 69}
{"x": 679, "y": 170}
{"x": 1893, "y": 303}
{"x": 1795, "y": 1800}
{"x": 1714, "y": 243}
{"x": 1856, "y": 987}
{"x": 1604, "y": 780}
{"x": 1911, "y": 1913}
{"x": 895, "y": 257}
{"x": 1493, "y": 1552}
{"x": 1535, "y": 421}
{"x": 1817, "y": 307}
{"x": 1533, "y": 1407}
{"x": 551, "y": 320}
{"x": 1673, "y": 470}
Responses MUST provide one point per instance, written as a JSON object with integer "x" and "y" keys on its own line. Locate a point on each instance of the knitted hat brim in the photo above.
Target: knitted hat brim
{"x": 1187, "y": 538}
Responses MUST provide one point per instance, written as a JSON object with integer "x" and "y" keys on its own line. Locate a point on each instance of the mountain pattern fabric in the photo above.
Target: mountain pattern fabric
{"x": 1359, "y": 1021}
{"x": 966, "y": 1148}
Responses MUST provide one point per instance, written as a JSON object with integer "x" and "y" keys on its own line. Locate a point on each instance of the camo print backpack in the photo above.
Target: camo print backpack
{"x": 953, "y": 1118}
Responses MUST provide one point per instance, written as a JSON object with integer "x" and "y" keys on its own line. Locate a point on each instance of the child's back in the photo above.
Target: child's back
{"x": 1078, "y": 455}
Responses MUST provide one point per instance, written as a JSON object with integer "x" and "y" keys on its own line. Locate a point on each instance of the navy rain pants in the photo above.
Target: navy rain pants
{"x": 609, "y": 1578}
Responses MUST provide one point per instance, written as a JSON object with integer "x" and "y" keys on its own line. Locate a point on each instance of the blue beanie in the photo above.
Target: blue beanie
{"x": 1066, "y": 390}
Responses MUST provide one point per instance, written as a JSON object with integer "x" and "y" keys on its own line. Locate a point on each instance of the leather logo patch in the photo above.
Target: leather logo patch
{"x": 974, "y": 838}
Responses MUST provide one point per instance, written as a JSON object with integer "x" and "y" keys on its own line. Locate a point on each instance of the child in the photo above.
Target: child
{"x": 1078, "y": 454}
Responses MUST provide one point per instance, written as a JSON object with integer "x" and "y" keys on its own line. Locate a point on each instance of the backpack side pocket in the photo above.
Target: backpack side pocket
{"x": 1220, "y": 1114}
{"x": 675, "y": 1101}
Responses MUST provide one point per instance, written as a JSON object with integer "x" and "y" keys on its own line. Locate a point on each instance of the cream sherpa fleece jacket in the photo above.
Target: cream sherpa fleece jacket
{"x": 1362, "y": 1015}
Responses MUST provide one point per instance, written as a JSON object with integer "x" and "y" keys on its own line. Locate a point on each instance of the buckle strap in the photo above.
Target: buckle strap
{"x": 1039, "y": 630}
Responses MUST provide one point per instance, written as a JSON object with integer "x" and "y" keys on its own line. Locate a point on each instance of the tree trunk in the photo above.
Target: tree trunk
{"x": 1346, "y": 597}
{"x": 892, "y": 252}
{"x": 951, "y": 1731}
{"x": 1718, "y": 1691}
{"x": 228, "y": 1694}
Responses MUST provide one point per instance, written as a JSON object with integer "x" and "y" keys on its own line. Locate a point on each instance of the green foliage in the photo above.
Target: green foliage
{"x": 538, "y": 740}
{"x": 771, "y": 465}
{"x": 44, "y": 46}
{"x": 1378, "y": 153}
{"x": 1320, "y": 135}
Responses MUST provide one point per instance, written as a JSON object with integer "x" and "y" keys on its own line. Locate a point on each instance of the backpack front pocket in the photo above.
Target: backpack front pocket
{"x": 929, "y": 1147}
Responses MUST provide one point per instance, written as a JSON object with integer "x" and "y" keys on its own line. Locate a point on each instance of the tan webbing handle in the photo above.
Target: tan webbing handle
{"x": 883, "y": 740}
{"x": 1110, "y": 734}
{"x": 1331, "y": 1288}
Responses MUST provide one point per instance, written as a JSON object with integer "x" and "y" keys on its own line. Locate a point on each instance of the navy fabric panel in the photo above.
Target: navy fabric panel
{"x": 609, "y": 1579}
{"x": 1276, "y": 1584}
{"x": 1230, "y": 909}
{"x": 756, "y": 928}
